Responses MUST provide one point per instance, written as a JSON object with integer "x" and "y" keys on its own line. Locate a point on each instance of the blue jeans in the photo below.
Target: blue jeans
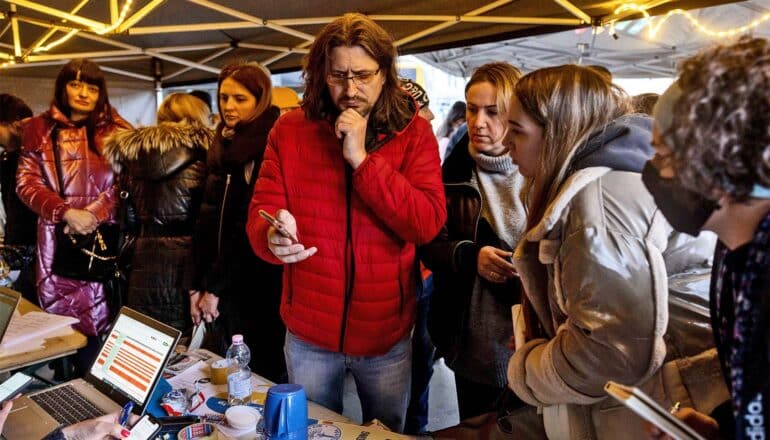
{"x": 422, "y": 363}
{"x": 382, "y": 382}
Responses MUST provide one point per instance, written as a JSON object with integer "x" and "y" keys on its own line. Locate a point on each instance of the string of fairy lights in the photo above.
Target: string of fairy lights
{"x": 653, "y": 25}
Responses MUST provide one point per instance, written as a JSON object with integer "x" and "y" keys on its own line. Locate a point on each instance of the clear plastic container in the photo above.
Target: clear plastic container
{"x": 239, "y": 373}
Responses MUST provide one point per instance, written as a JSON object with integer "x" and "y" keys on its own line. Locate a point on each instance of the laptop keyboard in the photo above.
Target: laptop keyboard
{"x": 66, "y": 405}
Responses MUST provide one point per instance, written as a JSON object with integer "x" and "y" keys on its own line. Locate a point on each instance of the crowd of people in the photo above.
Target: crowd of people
{"x": 552, "y": 196}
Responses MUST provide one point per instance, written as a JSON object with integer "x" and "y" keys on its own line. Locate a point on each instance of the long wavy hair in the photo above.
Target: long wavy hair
{"x": 570, "y": 103}
{"x": 81, "y": 69}
{"x": 391, "y": 112}
{"x": 721, "y": 124}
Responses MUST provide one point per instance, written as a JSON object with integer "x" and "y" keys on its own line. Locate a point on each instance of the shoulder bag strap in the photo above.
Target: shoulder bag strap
{"x": 57, "y": 160}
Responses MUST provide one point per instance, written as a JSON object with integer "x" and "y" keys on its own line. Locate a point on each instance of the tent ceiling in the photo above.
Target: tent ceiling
{"x": 631, "y": 54}
{"x": 183, "y": 41}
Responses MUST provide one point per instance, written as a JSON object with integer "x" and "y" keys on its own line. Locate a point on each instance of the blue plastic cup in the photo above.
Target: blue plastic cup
{"x": 286, "y": 412}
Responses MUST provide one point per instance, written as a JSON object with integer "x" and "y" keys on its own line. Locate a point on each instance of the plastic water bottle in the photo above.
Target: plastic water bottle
{"x": 239, "y": 374}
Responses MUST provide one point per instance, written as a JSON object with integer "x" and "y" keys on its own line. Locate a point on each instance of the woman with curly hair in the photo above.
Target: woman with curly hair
{"x": 712, "y": 142}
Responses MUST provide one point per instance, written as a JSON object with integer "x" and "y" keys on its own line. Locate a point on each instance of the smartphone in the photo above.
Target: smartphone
{"x": 144, "y": 429}
{"x": 278, "y": 226}
{"x": 13, "y": 386}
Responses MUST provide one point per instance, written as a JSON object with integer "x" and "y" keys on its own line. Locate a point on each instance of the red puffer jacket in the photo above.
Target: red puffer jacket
{"x": 88, "y": 184}
{"x": 396, "y": 201}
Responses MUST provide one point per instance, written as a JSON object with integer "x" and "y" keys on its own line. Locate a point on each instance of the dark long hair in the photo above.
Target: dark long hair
{"x": 391, "y": 111}
{"x": 87, "y": 71}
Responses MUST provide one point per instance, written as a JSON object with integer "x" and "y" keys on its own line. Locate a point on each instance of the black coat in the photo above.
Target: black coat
{"x": 163, "y": 170}
{"x": 248, "y": 287}
{"x": 453, "y": 255}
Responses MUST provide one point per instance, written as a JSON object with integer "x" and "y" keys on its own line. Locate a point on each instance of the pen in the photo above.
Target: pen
{"x": 125, "y": 412}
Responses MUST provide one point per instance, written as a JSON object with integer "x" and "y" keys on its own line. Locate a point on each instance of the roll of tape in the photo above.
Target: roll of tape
{"x": 219, "y": 372}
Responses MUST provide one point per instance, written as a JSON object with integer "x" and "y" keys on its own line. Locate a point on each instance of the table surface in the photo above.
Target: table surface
{"x": 55, "y": 347}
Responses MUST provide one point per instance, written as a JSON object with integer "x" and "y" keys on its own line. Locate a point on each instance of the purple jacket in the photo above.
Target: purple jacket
{"x": 88, "y": 184}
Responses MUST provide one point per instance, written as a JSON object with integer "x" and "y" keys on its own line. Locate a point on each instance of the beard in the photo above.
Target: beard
{"x": 360, "y": 105}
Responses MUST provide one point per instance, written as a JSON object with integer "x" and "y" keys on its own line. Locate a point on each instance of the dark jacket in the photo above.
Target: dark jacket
{"x": 163, "y": 169}
{"x": 249, "y": 288}
{"x": 452, "y": 256}
{"x": 88, "y": 184}
{"x": 20, "y": 221}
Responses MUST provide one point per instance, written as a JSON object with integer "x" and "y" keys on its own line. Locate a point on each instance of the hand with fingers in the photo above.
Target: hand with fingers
{"x": 701, "y": 423}
{"x": 195, "y": 309}
{"x": 494, "y": 265}
{"x": 104, "y": 427}
{"x": 281, "y": 246}
{"x": 208, "y": 305}
{"x": 350, "y": 126}
{"x": 79, "y": 221}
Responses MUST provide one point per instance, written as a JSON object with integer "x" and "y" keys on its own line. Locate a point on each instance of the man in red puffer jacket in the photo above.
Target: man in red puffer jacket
{"x": 354, "y": 176}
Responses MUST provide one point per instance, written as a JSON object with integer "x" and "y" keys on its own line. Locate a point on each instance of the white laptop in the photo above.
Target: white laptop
{"x": 128, "y": 367}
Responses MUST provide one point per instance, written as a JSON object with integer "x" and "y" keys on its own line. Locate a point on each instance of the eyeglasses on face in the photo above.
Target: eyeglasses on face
{"x": 78, "y": 85}
{"x": 341, "y": 78}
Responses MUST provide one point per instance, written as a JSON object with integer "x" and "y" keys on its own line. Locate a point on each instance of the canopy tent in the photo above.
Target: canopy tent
{"x": 627, "y": 50}
{"x": 186, "y": 41}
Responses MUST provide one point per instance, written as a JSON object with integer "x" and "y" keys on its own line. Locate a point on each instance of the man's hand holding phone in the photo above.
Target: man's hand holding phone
{"x": 282, "y": 238}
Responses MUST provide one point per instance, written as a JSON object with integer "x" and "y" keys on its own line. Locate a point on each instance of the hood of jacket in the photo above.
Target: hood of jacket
{"x": 622, "y": 145}
{"x": 157, "y": 151}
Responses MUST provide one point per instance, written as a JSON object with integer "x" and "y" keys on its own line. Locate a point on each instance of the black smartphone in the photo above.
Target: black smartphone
{"x": 13, "y": 386}
{"x": 145, "y": 428}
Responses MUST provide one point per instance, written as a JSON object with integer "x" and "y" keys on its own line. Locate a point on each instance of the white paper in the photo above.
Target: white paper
{"x": 35, "y": 326}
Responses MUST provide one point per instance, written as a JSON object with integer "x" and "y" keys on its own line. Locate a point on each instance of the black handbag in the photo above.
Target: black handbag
{"x": 89, "y": 257}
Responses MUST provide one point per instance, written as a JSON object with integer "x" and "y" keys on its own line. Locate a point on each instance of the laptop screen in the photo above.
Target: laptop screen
{"x": 134, "y": 354}
{"x": 8, "y": 301}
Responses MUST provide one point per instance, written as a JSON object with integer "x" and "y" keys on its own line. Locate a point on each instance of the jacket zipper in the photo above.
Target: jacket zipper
{"x": 350, "y": 268}
{"x": 222, "y": 214}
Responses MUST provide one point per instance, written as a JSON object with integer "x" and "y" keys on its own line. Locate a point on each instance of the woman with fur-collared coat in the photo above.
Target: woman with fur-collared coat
{"x": 163, "y": 172}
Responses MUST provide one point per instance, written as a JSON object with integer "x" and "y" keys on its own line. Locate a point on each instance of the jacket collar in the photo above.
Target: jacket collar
{"x": 573, "y": 185}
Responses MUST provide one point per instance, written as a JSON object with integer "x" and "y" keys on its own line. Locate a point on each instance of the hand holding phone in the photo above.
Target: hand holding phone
{"x": 280, "y": 227}
{"x": 13, "y": 386}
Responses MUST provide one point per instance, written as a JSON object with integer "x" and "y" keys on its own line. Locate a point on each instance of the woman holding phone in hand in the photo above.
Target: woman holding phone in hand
{"x": 224, "y": 259}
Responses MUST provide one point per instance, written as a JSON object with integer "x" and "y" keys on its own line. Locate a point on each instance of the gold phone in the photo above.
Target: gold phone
{"x": 278, "y": 226}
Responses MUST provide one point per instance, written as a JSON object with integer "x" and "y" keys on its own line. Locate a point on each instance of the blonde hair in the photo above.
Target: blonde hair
{"x": 179, "y": 107}
{"x": 570, "y": 103}
{"x": 502, "y": 76}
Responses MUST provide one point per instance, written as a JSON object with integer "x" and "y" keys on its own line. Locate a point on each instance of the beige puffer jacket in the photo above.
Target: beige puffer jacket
{"x": 595, "y": 272}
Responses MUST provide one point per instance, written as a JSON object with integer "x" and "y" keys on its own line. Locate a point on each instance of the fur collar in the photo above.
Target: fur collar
{"x": 125, "y": 145}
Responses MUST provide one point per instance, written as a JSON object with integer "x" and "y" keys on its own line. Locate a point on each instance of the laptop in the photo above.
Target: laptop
{"x": 9, "y": 299}
{"x": 128, "y": 367}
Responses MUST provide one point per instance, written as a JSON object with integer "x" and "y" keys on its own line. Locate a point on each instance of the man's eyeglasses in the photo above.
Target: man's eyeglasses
{"x": 341, "y": 78}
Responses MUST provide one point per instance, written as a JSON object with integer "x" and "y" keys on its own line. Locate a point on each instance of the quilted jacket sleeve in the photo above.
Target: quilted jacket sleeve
{"x": 409, "y": 201}
{"x": 604, "y": 282}
{"x": 32, "y": 186}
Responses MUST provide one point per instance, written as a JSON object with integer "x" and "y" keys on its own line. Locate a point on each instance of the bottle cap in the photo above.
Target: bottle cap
{"x": 237, "y": 339}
